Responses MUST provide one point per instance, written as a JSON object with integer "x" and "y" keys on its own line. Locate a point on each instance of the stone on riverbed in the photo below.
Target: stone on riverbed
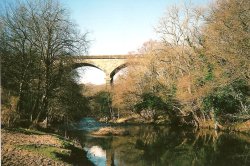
{"x": 107, "y": 131}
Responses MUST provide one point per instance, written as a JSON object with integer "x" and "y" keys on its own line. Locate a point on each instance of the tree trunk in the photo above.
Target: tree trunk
{"x": 20, "y": 93}
{"x": 35, "y": 122}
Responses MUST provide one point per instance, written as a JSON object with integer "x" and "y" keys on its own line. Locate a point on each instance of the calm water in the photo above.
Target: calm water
{"x": 149, "y": 145}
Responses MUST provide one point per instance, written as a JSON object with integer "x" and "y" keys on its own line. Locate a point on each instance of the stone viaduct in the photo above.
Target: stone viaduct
{"x": 109, "y": 64}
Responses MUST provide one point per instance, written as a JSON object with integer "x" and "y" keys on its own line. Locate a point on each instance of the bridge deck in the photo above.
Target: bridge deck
{"x": 103, "y": 57}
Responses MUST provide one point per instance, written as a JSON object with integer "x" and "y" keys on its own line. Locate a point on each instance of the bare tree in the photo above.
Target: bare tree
{"x": 228, "y": 37}
{"x": 181, "y": 32}
{"x": 38, "y": 34}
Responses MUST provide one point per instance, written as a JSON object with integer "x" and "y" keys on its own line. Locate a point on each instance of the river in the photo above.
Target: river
{"x": 148, "y": 145}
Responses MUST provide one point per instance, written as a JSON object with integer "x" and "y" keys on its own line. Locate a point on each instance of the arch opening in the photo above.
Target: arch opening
{"x": 90, "y": 75}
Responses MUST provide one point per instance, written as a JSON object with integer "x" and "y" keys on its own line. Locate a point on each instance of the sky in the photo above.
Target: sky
{"x": 118, "y": 26}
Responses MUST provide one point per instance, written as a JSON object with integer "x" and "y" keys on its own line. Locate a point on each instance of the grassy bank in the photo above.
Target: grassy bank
{"x": 30, "y": 147}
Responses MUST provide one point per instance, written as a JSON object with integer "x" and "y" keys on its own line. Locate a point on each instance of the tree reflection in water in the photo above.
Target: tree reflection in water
{"x": 150, "y": 145}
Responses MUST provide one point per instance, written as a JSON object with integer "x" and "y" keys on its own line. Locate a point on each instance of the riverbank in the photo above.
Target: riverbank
{"x": 136, "y": 119}
{"x": 29, "y": 147}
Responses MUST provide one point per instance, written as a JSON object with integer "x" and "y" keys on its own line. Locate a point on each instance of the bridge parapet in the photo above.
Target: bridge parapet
{"x": 102, "y": 57}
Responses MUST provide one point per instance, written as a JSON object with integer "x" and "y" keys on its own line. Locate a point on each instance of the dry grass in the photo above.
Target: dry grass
{"x": 107, "y": 131}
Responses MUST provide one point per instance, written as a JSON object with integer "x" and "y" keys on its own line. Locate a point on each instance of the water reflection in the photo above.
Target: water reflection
{"x": 159, "y": 145}
{"x": 96, "y": 154}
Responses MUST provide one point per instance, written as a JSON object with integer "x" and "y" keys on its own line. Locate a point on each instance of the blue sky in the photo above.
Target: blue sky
{"x": 118, "y": 26}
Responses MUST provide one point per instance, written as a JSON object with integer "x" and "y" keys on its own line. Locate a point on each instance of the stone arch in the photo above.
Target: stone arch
{"x": 116, "y": 70}
{"x": 76, "y": 65}
{"x": 109, "y": 64}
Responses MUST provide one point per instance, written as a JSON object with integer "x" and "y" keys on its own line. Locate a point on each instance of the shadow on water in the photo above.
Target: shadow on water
{"x": 161, "y": 145}
{"x": 78, "y": 157}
